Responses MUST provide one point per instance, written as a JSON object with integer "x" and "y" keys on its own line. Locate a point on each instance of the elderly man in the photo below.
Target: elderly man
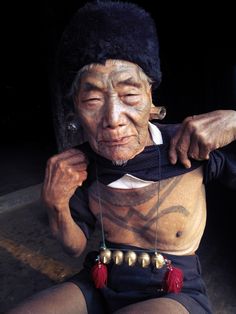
{"x": 142, "y": 182}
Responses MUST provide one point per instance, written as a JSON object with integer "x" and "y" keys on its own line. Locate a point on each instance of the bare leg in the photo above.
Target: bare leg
{"x": 157, "y": 306}
{"x": 60, "y": 299}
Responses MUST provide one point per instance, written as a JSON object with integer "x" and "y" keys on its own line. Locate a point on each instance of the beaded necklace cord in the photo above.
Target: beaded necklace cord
{"x": 173, "y": 279}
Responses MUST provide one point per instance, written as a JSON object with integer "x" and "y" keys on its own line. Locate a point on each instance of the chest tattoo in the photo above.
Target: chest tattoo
{"x": 135, "y": 210}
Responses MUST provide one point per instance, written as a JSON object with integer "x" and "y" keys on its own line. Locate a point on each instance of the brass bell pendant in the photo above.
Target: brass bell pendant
{"x": 158, "y": 260}
{"x": 130, "y": 258}
{"x": 105, "y": 256}
{"x": 118, "y": 257}
{"x": 144, "y": 259}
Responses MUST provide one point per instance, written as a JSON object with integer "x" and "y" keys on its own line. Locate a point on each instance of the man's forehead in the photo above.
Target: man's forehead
{"x": 125, "y": 72}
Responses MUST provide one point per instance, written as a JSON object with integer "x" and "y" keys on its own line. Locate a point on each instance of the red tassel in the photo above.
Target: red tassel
{"x": 173, "y": 280}
{"x": 99, "y": 275}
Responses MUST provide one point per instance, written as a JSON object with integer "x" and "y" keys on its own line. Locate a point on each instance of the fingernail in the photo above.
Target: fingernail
{"x": 172, "y": 160}
{"x": 187, "y": 164}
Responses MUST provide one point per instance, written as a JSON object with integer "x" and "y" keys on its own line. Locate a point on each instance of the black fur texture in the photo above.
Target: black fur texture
{"x": 108, "y": 30}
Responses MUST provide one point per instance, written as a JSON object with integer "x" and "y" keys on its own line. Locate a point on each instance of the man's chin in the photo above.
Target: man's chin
{"x": 119, "y": 162}
{"x": 119, "y": 155}
{"x": 118, "y": 159}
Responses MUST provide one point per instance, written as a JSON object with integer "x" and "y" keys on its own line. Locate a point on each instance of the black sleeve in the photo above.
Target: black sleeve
{"x": 222, "y": 166}
{"x": 81, "y": 213}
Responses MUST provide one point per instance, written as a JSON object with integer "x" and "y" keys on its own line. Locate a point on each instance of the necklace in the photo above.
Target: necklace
{"x": 138, "y": 257}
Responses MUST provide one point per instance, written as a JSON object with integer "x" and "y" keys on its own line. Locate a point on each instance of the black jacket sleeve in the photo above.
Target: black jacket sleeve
{"x": 81, "y": 213}
{"x": 222, "y": 166}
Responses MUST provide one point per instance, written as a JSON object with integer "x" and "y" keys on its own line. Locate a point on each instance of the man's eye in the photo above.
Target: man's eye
{"x": 91, "y": 99}
{"x": 131, "y": 98}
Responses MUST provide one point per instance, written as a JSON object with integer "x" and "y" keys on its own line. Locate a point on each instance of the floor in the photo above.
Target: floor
{"x": 30, "y": 259}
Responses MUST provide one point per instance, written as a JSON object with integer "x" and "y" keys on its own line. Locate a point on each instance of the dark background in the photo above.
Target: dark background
{"x": 198, "y": 61}
{"x": 197, "y": 57}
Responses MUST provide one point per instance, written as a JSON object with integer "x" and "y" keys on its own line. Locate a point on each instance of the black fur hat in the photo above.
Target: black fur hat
{"x": 99, "y": 31}
{"x": 108, "y": 30}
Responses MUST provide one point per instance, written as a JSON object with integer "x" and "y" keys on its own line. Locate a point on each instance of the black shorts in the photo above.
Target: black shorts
{"x": 127, "y": 285}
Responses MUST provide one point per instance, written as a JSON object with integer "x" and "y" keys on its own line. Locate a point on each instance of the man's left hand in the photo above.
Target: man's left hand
{"x": 199, "y": 135}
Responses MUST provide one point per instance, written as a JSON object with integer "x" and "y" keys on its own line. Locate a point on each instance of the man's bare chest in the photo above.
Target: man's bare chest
{"x": 172, "y": 209}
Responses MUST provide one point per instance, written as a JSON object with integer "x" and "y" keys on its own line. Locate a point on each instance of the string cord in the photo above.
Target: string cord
{"x": 100, "y": 207}
{"x": 158, "y": 194}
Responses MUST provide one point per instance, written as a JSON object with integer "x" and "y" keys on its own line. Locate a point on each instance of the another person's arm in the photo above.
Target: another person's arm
{"x": 201, "y": 134}
{"x": 65, "y": 172}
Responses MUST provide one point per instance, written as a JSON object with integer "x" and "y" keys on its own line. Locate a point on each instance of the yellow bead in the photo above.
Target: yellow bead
{"x": 118, "y": 257}
{"x": 144, "y": 259}
{"x": 105, "y": 256}
{"x": 158, "y": 260}
{"x": 130, "y": 258}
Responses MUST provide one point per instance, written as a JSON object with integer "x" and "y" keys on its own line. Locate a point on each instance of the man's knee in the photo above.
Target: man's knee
{"x": 158, "y": 305}
{"x": 59, "y": 299}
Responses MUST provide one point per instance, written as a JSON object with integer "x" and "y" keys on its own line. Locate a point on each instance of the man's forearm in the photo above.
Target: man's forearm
{"x": 65, "y": 229}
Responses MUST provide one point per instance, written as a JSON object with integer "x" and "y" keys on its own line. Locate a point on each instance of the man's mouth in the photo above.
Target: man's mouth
{"x": 116, "y": 141}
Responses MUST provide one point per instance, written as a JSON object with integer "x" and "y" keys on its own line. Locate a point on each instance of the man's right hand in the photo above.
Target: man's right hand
{"x": 64, "y": 173}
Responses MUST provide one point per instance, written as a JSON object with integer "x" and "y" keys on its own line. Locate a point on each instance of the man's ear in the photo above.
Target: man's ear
{"x": 157, "y": 112}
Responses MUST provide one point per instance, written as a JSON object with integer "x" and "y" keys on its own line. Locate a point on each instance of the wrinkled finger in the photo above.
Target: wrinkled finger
{"x": 188, "y": 143}
{"x": 182, "y": 155}
{"x": 173, "y": 143}
{"x": 204, "y": 151}
{"x": 71, "y": 155}
{"x": 83, "y": 176}
{"x": 62, "y": 164}
{"x": 78, "y": 158}
{"x": 79, "y": 177}
{"x": 67, "y": 155}
{"x": 80, "y": 166}
{"x": 193, "y": 151}
{"x": 179, "y": 144}
{"x": 182, "y": 148}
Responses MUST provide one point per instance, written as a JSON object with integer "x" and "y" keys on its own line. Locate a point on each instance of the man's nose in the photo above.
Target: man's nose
{"x": 113, "y": 113}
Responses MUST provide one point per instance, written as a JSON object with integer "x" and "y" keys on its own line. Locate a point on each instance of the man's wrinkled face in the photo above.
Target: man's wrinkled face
{"x": 113, "y": 103}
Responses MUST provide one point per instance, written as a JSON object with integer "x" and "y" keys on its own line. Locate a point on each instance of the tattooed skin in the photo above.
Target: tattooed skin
{"x": 137, "y": 216}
